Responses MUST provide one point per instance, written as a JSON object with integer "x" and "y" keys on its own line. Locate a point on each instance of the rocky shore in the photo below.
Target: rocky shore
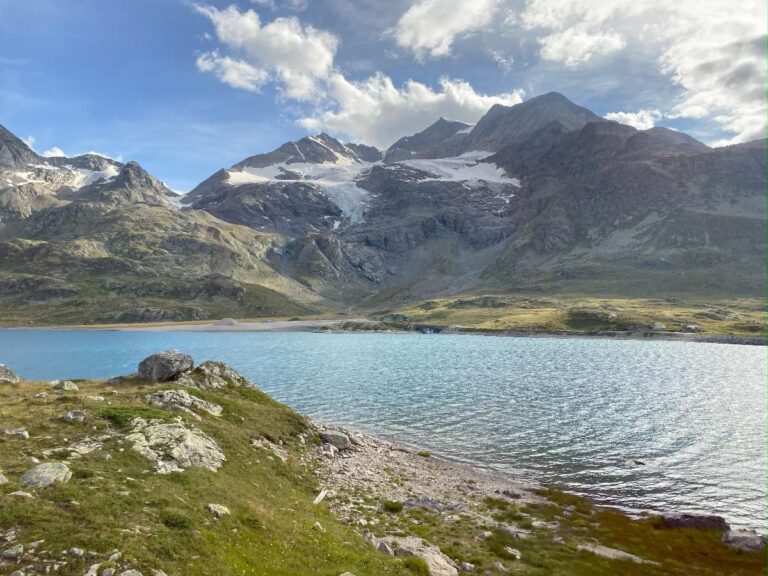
{"x": 185, "y": 468}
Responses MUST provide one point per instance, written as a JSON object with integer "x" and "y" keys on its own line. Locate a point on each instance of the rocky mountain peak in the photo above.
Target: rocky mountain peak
{"x": 132, "y": 184}
{"x": 14, "y": 153}
{"x": 436, "y": 140}
{"x": 505, "y": 125}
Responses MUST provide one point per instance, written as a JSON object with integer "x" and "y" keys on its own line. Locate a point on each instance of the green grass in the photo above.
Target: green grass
{"x": 392, "y": 506}
{"x": 160, "y": 521}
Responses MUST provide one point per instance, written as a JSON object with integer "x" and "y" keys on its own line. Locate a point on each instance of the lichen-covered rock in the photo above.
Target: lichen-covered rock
{"x": 183, "y": 401}
{"x": 13, "y": 553}
{"x": 74, "y": 416}
{"x": 7, "y": 376}
{"x": 173, "y": 446}
{"x": 46, "y": 474}
{"x": 218, "y": 510}
{"x": 65, "y": 386}
{"x": 213, "y": 375}
{"x": 438, "y": 563}
{"x": 164, "y": 366}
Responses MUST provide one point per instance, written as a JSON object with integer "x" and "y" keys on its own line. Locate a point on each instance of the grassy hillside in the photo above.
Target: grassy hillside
{"x": 588, "y": 314}
{"x": 160, "y": 521}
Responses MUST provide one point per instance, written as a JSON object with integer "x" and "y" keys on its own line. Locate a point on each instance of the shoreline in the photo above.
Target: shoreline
{"x": 366, "y": 325}
{"x": 485, "y": 479}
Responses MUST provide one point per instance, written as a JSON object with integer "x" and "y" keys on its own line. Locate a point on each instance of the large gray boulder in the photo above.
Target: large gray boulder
{"x": 165, "y": 366}
{"x": 7, "y": 376}
{"x": 438, "y": 563}
{"x": 46, "y": 474}
{"x": 744, "y": 540}
{"x": 336, "y": 439}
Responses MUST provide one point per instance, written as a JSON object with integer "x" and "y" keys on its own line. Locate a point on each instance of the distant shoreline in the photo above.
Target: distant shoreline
{"x": 365, "y": 325}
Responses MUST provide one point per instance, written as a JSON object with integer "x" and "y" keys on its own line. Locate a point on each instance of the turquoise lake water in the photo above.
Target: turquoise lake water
{"x": 571, "y": 412}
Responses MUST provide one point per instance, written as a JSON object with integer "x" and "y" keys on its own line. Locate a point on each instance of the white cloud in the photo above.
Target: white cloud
{"x": 295, "y": 56}
{"x": 376, "y": 112}
{"x": 300, "y": 60}
{"x": 429, "y": 27}
{"x": 712, "y": 49}
{"x": 54, "y": 152}
{"x": 577, "y": 45}
{"x": 236, "y": 73}
{"x": 29, "y": 141}
{"x": 503, "y": 61}
{"x": 642, "y": 119}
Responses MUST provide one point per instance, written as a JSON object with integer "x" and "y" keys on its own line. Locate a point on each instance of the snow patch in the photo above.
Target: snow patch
{"x": 464, "y": 168}
{"x": 335, "y": 180}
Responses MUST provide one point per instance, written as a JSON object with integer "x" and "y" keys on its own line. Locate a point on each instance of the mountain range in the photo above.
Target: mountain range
{"x": 542, "y": 197}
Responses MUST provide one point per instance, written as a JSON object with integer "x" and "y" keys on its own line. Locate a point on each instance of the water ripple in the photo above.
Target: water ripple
{"x": 573, "y": 412}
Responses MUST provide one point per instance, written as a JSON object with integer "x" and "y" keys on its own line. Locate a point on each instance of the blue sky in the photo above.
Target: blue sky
{"x": 188, "y": 88}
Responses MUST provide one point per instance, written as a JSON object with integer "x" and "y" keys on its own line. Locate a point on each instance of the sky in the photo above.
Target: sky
{"x": 186, "y": 88}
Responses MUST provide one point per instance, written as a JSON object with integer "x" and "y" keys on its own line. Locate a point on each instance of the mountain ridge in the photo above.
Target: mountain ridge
{"x": 543, "y": 196}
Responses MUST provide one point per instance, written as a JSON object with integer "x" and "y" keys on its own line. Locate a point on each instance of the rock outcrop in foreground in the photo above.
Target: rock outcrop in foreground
{"x": 194, "y": 471}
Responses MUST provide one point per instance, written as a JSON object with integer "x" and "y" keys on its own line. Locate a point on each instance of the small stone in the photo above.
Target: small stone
{"x": 93, "y": 570}
{"x": 13, "y": 553}
{"x": 467, "y": 566}
{"x": 17, "y": 573}
{"x": 108, "y": 572}
{"x": 3, "y": 479}
{"x": 74, "y": 416}
{"x": 500, "y": 567}
{"x": 156, "y": 572}
{"x": 39, "y": 395}
{"x": 95, "y": 398}
{"x": 46, "y": 474}
{"x": 77, "y": 552}
{"x": 514, "y": 552}
{"x": 485, "y": 534}
{"x": 17, "y": 433}
{"x": 385, "y": 548}
{"x": 65, "y": 386}
{"x": 218, "y": 510}
{"x": 21, "y": 494}
{"x": 115, "y": 556}
{"x": 130, "y": 572}
{"x": 33, "y": 460}
{"x": 319, "y": 527}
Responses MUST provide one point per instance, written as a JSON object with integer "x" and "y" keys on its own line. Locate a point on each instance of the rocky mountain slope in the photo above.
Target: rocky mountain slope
{"x": 91, "y": 239}
{"x": 541, "y": 197}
